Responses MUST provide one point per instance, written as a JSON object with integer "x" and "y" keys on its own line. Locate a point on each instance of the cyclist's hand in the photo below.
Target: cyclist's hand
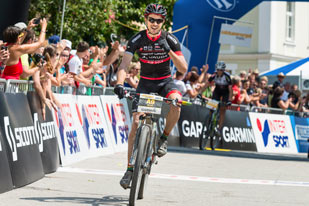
{"x": 165, "y": 45}
{"x": 119, "y": 90}
{"x": 229, "y": 103}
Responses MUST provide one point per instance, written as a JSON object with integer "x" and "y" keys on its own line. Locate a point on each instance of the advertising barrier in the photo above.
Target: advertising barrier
{"x": 237, "y": 131}
{"x": 47, "y": 132}
{"x": 191, "y": 124}
{"x": 6, "y": 183}
{"x": 301, "y": 132}
{"x": 117, "y": 116}
{"x": 92, "y": 120}
{"x": 21, "y": 139}
{"x": 273, "y": 133}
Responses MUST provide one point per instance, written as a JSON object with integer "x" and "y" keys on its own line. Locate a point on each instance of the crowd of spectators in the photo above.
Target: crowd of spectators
{"x": 53, "y": 61}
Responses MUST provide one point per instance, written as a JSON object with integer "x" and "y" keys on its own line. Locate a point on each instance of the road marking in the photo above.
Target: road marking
{"x": 190, "y": 178}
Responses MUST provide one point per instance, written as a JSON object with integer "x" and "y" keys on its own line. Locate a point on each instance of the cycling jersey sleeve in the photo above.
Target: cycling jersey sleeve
{"x": 212, "y": 77}
{"x": 228, "y": 79}
{"x": 174, "y": 43}
{"x": 133, "y": 43}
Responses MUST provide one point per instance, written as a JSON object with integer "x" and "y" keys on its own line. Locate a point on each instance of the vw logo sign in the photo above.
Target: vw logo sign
{"x": 222, "y": 5}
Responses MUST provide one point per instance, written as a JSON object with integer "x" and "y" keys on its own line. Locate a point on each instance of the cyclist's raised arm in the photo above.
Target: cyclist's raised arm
{"x": 122, "y": 71}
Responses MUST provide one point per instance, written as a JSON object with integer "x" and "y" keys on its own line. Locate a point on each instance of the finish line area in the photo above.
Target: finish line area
{"x": 182, "y": 177}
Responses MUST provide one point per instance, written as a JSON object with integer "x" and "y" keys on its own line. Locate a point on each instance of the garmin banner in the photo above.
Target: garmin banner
{"x": 6, "y": 183}
{"x": 47, "y": 131}
{"x": 235, "y": 35}
{"x": 273, "y": 133}
{"x": 21, "y": 139}
{"x": 237, "y": 131}
{"x": 91, "y": 117}
{"x": 191, "y": 124}
{"x": 117, "y": 116}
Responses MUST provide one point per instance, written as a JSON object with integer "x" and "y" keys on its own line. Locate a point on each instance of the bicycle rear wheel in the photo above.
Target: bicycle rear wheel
{"x": 215, "y": 139}
{"x": 203, "y": 139}
{"x": 139, "y": 163}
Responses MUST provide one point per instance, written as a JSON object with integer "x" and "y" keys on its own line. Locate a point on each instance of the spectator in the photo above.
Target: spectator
{"x": 279, "y": 82}
{"x": 277, "y": 102}
{"x": 287, "y": 90}
{"x": 243, "y": 75}
{"x": 54, "y": 39}
{"x": 263, "y": 97}
{"x": 132, "y": 79}
{"x": 208, "y": 87}
{"x": 194, "y": 69}
{"x": 305, "y": 105}
{"x": 180, "y": 83}
{"x": 294, "y": 87}
{"x": 4, "y": 56}
{"x": 236, "y": 84}
{"x": 192, "y": 85}
{"x": 295, "y": 100}
{"x": 245, "y": 98}
{"x": 112, "y": 73}
{"x": 14, "y": 36}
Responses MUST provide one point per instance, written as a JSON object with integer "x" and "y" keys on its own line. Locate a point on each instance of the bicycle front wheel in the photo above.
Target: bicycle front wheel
{"x": 139, "y": 164}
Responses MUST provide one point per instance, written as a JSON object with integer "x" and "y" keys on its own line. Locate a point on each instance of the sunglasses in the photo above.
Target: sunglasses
{"x": 63, "y": 55}
{"x": 152, "y": 20}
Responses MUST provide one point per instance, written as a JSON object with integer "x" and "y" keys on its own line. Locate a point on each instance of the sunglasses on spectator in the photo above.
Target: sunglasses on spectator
{"x": 63, "y": 55}
{"x": 153, "y": 20}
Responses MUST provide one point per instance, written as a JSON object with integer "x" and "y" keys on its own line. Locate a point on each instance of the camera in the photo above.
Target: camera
{"x": 36, "y": 58}
{"x": 37, "y": 20}
{"x": 4, "y": 47}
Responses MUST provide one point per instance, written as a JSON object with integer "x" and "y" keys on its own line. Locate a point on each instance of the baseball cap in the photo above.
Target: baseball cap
{"x": 68, "y": 43}
{"x": 53, "y": 39}
{"x": 21, "y": 25}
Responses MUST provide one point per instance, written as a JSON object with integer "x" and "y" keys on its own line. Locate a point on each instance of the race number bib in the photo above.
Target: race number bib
{"x": 212, "y": 104}
{"x": 150, "y": 104}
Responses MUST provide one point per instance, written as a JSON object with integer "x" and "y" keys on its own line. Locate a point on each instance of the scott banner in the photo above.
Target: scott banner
{"x": 237, "y": 131}
{"x": 301, "y": 132}
{"x": 6, "y": 183}
{"x": 22, "y": 140}
{"x": 191, "y": 124}
{"x": 47, "y": 132}
{"x": 273, "y": 133}
{"x": 117, "y": 116}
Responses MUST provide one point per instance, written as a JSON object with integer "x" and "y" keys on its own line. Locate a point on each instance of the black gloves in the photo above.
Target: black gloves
{"x": 165, "y": 45}
{"x": 119, "y": 90}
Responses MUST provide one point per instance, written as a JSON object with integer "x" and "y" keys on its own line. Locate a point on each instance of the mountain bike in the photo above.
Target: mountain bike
{"x": 146, "y": 142}
{"x": 212, "y": 125}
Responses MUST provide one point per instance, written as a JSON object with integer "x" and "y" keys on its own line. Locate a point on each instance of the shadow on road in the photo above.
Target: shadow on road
{"x": 241, "y": 154}
{"x": 106, "y": 200}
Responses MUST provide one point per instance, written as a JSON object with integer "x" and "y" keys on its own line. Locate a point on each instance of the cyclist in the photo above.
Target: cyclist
{"x": 223, "y": 89}
{"x": 155, "y": 48}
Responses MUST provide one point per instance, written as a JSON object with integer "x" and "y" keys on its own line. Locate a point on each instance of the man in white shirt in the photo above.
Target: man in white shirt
{"x": 179, "y": 83}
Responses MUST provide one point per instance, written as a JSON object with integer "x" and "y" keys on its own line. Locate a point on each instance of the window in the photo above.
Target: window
{"x": 290, "y": 21}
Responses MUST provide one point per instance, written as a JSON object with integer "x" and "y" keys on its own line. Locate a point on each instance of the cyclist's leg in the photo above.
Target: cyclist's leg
{"x": 225, "y": 99}
{"x": 169, "y": 90}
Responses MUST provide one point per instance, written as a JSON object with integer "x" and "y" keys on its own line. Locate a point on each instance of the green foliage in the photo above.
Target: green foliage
{"x": 93, "y": 20}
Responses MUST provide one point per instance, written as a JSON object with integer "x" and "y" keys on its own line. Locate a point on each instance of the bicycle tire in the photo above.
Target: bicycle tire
{"x": 138, "y": 170}
{"x": 203, "y": 139}
{"x": 214, "y": 141}
{"x": 212, "y": 131}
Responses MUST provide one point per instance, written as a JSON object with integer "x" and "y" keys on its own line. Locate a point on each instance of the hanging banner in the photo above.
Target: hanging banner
{"x": 273, "y": 133}
{"x": 118, "y": 118}
{"x": 237, "y": 131}
{"x": 235, "y": 35}
{"x": 47, "y": 131}
{"x": 301, "y": 131}
{"x": 21, "y": 139}
{"x": 71, "y": 139}
{"x": 93, "y": 122}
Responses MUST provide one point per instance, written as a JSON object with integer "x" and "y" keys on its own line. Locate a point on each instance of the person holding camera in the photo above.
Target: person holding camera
{"x": 13, "y": 36}
{"x": 4, "y": 56}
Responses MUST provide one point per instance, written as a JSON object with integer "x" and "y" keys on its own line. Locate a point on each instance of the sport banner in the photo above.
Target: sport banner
{"x": 21, "y": 139}
{"x": 93, "y": 122}
{"x": 301, "y": 132}
{"x": 6, "y": 183}
{"x": 71, "y": 139}
{"x": 273, "y": 133}
{"x": 118, "y": 120}
{"x": 47, "y": 132}
{"x": 237, "y": 131}
{"x": 191, "y": 124}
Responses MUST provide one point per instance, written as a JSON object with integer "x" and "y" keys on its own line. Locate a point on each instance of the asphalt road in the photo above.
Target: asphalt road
{"x": 182, "y": 177}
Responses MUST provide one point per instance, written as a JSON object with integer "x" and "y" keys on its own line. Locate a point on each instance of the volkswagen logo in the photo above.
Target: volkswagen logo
{"x": 222, "y": 5}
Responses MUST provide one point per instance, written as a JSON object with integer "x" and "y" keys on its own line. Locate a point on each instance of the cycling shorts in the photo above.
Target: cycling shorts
{"x": 221, "y": 93}
{"x": 163, "y": 87}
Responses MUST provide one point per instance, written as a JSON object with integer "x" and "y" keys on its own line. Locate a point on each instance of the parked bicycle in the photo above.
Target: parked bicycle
{"x": 212, "y": 125}
{"x": 145, "y": 146}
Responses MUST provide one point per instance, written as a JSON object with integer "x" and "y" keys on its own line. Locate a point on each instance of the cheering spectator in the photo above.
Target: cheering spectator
{"x": 277, "y": 102}
{"x": 4, "y": 55}
{"x": 236, "y": 84}
{"x": 279, "y": 82}
{"x": 287, "y": 89}
{"x": 180, "y": 83}
{"x": 208, "y": 87}
{"x": 243, "y": 75}
{"x": 14, "y": 36}
{"x": 132, "y": 79}
{"x": 263, "y": 98}
{"x": 193, "y": 86}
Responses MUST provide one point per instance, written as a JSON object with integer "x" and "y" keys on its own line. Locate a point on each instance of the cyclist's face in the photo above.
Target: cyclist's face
{"x": 154, "y": 23}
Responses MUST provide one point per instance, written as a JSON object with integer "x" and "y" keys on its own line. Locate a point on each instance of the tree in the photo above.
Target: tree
{"x": 94, "y": 20}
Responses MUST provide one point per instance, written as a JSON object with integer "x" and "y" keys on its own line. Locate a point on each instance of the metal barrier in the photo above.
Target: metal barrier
{"x": 16, "y": 86}
{"x": 2, "y": 85}
{"x": 269, "y": 110}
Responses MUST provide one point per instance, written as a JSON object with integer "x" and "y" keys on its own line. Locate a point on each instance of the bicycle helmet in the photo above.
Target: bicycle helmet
{"x": 221, "y": 65}
{"x": 155, "y": 9}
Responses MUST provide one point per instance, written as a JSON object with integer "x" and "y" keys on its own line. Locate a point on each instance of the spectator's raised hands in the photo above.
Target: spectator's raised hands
{"x": 205, "y": 68}
{"x": 116, "y": 46}
{"x": 4, "y": 54}
{"x": 31, "y": 24}
{"x": 43, "y": 24}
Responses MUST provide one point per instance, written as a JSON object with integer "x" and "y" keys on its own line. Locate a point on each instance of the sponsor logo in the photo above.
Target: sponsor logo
{"x": 30, "y": 135}
{"x": 136, "y": 38}
{"x": 222, "y": 5}
{"x": 92, "y": 125}
{"x": 238, "y": 134}
{"x": 192, "y": 128}
{"x": 302, "y": 132}
{"x": 172, "y": 39}
{"x": 278, "y": 131}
